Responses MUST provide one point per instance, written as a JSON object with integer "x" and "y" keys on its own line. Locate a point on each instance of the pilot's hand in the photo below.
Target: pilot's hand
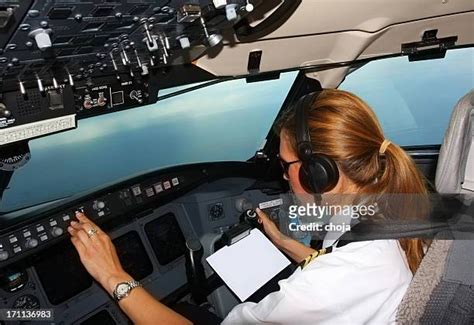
{"x": 97, "y": 253}
{"x": 270, "y": 228}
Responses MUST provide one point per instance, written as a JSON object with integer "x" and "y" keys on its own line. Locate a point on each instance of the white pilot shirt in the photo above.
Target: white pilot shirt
{"x": 359, "y": 283}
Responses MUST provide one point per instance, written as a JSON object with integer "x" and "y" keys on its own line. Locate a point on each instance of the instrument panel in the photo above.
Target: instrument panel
{"x": 74, "y": 40}
{"x": 72, "y": 293}
{"x": 149, "y": 220}
{"x": 61, "y": 60}
{"x": 46, "y": 229}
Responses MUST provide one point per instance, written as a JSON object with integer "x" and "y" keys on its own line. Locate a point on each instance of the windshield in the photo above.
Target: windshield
{"x": 414, "y": 100}
{"x": 227, "y": 121}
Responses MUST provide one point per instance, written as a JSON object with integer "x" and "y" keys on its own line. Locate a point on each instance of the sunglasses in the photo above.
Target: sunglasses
{"x": 285, "y": 165}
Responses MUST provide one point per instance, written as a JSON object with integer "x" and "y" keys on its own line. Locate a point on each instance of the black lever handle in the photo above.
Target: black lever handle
{"x": 195, "y": 270}
{"x": 251, "y": 217}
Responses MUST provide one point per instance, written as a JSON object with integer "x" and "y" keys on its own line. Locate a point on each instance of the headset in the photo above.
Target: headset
{"x": 318, "y": 173}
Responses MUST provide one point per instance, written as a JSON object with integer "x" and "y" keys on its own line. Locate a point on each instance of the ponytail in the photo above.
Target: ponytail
{"x": 401, "y": 176}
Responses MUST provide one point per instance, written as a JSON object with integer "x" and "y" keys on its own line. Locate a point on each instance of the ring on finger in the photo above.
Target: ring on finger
{"x": 91, "y": 232}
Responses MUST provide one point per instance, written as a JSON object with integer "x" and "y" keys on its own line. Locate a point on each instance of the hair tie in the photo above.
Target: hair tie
{"x": 384, "y": 146}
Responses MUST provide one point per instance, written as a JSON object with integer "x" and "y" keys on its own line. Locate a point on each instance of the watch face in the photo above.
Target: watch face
{"x": 123, "y": 289}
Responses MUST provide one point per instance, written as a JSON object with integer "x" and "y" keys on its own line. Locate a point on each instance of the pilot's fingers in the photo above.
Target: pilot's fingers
{"x": 79, "y": 233}
{"x": 78, "y": 244}
{"x": 91, "y": 231}
{"x": 83, "y": 219}
{"x": 88, "y": 224}
{"x": 72, "y": 231}
{"x": 81, "y": 226}
{"x": 262, "y": 216}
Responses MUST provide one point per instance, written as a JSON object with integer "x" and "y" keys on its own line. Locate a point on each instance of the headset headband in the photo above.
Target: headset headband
{"x": 303, "y": 138}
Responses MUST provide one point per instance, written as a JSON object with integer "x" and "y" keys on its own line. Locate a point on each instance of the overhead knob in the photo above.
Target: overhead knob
{"x": 4, "y": 111}
{"x": 31, "y": 243}
{"x": 213, "y": 39}
{"x": 56, "y": 232}
{"x": 23, "y": 90}
{"x": 3, "y": 256}
{"x": 135, "y": 95}
{"x": 249, "y": 7}
{"x": 42, "y": 38}
{"x": 219, "y": 4}
{"x": 184, "y": 42}
{"x": 231, "y": 12}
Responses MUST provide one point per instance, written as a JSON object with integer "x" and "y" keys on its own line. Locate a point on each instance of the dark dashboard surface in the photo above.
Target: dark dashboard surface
{"x": 30, "y": 232}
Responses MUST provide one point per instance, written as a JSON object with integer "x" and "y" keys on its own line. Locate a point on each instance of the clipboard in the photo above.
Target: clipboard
{"x": 246, "y": 264}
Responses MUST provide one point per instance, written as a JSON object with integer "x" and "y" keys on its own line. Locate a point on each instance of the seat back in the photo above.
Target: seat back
{"x": 442, "y": 290}
{"x": 455, "y": 171}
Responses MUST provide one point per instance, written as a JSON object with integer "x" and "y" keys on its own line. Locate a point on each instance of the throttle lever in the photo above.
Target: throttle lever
{"x": 195, "y": 270}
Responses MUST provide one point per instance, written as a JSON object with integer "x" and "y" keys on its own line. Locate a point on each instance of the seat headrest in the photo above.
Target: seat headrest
{"x": 455, "y": 172}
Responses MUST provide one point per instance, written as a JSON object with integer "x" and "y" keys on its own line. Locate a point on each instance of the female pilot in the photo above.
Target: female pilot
{"x": 361, "y": 282}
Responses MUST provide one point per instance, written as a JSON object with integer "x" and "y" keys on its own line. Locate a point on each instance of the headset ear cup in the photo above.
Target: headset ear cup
{"x": 306, "y": 180}
{"x": 331, "y": 171}
{"x": 318, "y": 174}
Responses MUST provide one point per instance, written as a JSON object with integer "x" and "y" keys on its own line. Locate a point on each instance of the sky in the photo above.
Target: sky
{"x": 224, "y": 122}
{"x": 414, "y": 100}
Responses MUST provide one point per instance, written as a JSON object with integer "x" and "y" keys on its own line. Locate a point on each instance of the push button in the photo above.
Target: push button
{"x": 136, "y": 190}
{"x": 158, "y": 188}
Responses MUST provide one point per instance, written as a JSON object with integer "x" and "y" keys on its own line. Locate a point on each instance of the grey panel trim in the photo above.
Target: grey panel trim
{"x": 460, "y": 264}
{"x": 429, "y": 274}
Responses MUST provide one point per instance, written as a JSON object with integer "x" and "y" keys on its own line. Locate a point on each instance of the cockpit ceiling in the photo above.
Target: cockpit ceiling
{"x": 323, "y": 31}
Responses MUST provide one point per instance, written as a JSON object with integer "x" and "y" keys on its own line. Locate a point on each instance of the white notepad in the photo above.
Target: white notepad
{"x": 248, "y": 264}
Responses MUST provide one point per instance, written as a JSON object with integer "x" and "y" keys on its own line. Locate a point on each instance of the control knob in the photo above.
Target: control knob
{"x": 4, "y": 112}
{"x": 184, "y": 42}
{"x": 98, "y": 205}
{"x": 242, "y": 205}
{"x": 87, "y": 102}
{"x": 31, "y": 243}
{"x": 56, "y": 232}
{"x": 101, "y": 101}
{"x": 136, "y": 96}
{"x": 250, "y": 217}
{"x": 3, "y": 256}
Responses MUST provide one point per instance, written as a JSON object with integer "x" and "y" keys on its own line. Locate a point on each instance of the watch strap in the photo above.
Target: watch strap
{"x": 132, "y": 284}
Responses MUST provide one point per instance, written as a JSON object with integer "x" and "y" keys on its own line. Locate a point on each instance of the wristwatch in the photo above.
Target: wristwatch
{"x": 123, "y": 289}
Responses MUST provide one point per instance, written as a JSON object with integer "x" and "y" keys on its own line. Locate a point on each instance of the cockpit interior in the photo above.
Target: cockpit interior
{"x": 155, "y": 118}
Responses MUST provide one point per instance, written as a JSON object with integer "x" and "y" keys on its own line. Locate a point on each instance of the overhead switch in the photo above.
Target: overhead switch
{"x": 42, "y": 38}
